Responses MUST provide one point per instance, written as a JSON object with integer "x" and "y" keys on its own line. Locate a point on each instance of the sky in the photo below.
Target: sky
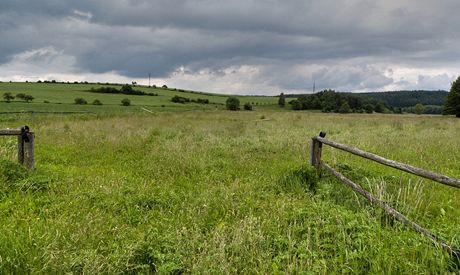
{"x": 259, "y": 47}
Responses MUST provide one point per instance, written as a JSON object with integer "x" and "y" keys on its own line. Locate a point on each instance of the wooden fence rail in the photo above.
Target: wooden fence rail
{"x": 315, "y": 160}
{"x": 26, "y": 144}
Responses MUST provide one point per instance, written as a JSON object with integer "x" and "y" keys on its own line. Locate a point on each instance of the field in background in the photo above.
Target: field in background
{"x": 223, "y": 192}
{"x": 60, "y": 98}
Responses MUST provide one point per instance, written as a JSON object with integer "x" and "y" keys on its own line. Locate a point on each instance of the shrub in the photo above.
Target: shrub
{"x": 369, "y": 108}
{"x": 232, "y": 103}
{"x": 248, "y": 106}
{"x": 179, "y": 99}
{"x": 282, "y": 100}
{"x": 105, "y": 90}
{"x": 296, "y": 105}
{"x": 126, "y": 102}
{"x": 380, "y": 108}
{"x": 126, "y": 89}
{"x": 8, "y": 97}
{"x": 28, "y": 98}
{"x": 20, "y": 96}
{"x": 344, "y": 108}
{"x": 201, "y": 101}
{"x": 97, "y": 102}
{"x": 419, "y": 109}
{"x": 80, "y": 101}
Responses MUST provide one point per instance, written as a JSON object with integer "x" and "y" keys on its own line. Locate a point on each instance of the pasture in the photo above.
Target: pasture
{"x": 59, "y": 97}
{"x": 224, "y": 192}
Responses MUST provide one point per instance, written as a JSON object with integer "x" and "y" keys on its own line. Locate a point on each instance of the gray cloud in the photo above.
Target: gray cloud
{"x": 348, "y": 45}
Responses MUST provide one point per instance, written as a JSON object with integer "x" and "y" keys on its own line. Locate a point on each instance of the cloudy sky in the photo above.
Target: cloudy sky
{"x": 234, "y": 46}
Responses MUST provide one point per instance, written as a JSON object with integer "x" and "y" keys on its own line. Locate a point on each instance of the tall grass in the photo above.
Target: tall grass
{"x": 224, "y": 192}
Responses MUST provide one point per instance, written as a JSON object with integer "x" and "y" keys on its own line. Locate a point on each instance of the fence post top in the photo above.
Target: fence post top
{"x": 25, "y": 129}
{"x": 321, "y": 135}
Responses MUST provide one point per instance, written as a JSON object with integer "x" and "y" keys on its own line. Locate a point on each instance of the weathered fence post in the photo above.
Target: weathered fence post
{"x": 30, "y": 151}
{"x": 20, "y": 149}
{"x": 315, "y": 151}
{"x": 26, "y": 143}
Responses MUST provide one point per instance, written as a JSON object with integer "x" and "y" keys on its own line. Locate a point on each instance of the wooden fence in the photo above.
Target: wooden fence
{"x": 315, "y": 160}
{"x": 26, "y": 142}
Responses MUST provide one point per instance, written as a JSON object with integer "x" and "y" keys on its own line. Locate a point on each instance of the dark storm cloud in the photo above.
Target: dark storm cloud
{"x": 344, "y": 40}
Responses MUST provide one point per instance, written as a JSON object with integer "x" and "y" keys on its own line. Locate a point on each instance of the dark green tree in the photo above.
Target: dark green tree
{"x": 345, "y": 108}
{"x": 20, "y": 96}
{"x": 380, "y": 108}
{"x": 126, "y": 102}
{"x": 248, "y": 106}
{"x": 296, "y": 104}
{"x": 232, "y": 103}
{"x": 80, "y": 101}
{"x": 369, "y": 108}
{"x": 282, "y": 100}
{"x": 8, "y": 97}
{"x": 452, "y": 104}
{"x": 419, "y": 109}
{"x": 126, "y": 89}
{"x": 97, "y": 102}
{"x": 28, "y": 98}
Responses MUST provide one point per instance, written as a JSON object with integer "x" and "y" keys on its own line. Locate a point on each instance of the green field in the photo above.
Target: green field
{"x": 221, "y": 192}
{"x": 60, "y": 98}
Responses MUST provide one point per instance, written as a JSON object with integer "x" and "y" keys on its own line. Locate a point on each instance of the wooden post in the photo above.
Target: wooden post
{"x": 312, "y": 152}
{"x": 20, "y": 149}
{"x": 30, "y": 163}
{"x": 26, "y": 144}
{"x": 315, "y": 151}
{"x": 315, "y": 154}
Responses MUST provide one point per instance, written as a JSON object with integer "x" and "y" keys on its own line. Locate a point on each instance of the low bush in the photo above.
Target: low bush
{"x": 125, "y": 89}
{"x": 248, "y": 106}
{"x": 126, "y": 102}
{"x": 180, "y": 99}
{"x": 97, "y": 102}
{"x": 232, "y": 103}
{"x": 80, "y": 101}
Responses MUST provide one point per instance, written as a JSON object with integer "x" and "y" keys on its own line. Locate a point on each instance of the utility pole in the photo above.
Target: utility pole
{"x": 149, "y": 79}
{"x": 314, "y": 86}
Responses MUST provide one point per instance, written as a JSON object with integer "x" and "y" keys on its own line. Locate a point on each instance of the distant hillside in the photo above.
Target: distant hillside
{"x": 406, "y": 98}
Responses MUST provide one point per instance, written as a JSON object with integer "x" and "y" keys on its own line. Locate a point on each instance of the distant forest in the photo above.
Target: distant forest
{"x": 407, "y": 98}
{"x": 381, "y": 102}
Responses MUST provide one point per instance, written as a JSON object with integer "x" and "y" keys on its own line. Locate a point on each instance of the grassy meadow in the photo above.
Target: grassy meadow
{"x": 59, "y": 97}
{"x": 223, "y": 192}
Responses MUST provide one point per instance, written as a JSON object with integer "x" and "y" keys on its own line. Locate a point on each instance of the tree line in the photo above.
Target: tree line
{"x": 331, "y": 101}
{"x": 21, "y": 96}
{"x": 419, "y": 102}
{"x": 125, "y": 89}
